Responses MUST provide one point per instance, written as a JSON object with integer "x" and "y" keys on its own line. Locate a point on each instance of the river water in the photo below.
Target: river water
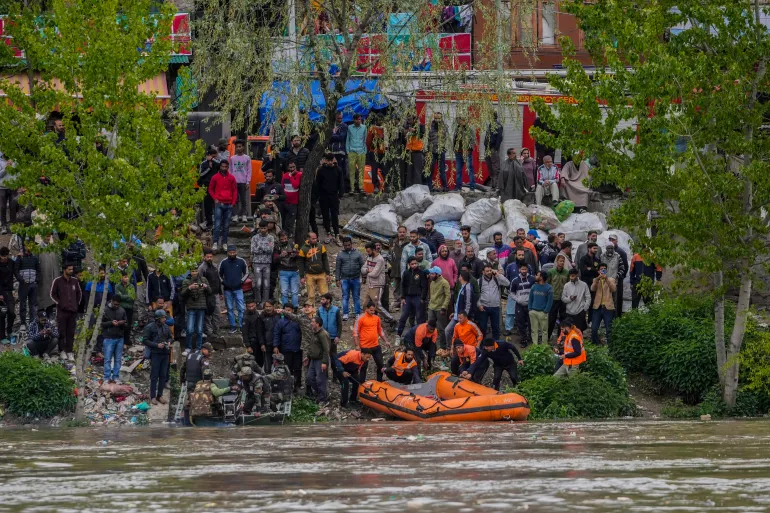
{"x": 391, "y": 467}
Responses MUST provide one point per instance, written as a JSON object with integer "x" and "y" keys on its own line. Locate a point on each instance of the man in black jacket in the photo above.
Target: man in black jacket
{"x": 298, "y": 154}
{"x": 195, "y": 364}
{"x": 252, "y": 325}
{"x": 492, "y": 142}
{"x": 8, "y": 273}
{"x": 330, "y": 182}
{"x": 159, "y": 286}
{"x": 29, "y": 270}
{"x": 113, "y": 330}
{"x": 266, "y": 330}
{"x": 589, "y": 269}
{"x": 414, "y": 292}
{"x": 503, "y": 355}
{"x": 208, "y": 169}
{"x": 214, "y": 300}
{"x": 157, "y": 336}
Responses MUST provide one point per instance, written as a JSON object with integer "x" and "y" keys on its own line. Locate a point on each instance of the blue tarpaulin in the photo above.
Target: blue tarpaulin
{"x": 314, "y": 103}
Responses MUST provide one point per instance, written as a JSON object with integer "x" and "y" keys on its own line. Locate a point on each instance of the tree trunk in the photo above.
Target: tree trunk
{"x": 736, "y": 341}
{"x": 302, "y": 224}
{"x": 719, "y": 326}
{"x": 80, "y": 359}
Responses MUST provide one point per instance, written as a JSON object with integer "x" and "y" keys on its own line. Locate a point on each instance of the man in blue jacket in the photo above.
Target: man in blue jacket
{"x": 502, "y": 356}
{"x": 233, "y": 271}
{"x": 287, "y": 340}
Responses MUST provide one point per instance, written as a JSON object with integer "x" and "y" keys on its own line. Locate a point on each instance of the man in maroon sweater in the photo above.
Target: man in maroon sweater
{"x": 224, "y": 191}
{"x": 66, "y": 293}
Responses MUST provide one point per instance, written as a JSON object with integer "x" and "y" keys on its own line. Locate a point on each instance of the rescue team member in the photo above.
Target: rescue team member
{"x": 467, "y": 331}
{"x": 574, "y": 351}
{"x": 203, "y": 398}
{"x": 197, "y": 362}
{"x": 463, "y": 357}
{"x": 367, "y": 333}
{"x": 502, "y": 356}
{"x": 350, "y": 370}
{"x": 423, "y": 338}
{"x": 402, "y": 368}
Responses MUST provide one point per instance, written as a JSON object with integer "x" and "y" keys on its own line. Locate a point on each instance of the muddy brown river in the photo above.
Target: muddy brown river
{"x": 391, "y": 467}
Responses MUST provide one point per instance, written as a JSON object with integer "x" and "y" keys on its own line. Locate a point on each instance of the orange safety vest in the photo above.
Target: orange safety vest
{"x": 400, "y": 364}
{"x": 574, "y": 335}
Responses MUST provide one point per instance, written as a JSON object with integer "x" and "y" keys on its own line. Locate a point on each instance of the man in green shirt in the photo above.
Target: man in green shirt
{"x": 558, "y": 276}
{"x": 438, "y": 305}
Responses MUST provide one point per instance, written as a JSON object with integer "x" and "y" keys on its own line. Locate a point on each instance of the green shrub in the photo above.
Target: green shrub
{"x": 600, "y": 363}
{"x": 304, "y": 409}
{"x": 539, "y": 360}
{"x": 748, "y": 403}
{"x": 30, "y": 387}
{"x": 672, "y": 344}
{"x": 678, "y": 410}
{"x": 583, "y": 395}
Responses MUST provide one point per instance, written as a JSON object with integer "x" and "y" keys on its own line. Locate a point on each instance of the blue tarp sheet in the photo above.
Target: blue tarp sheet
{"x": 314, "y": 103}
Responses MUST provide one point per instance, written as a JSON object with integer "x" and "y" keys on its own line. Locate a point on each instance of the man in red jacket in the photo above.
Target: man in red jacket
{"x": 223, "y": 190}
{"x": 290, "y": 183}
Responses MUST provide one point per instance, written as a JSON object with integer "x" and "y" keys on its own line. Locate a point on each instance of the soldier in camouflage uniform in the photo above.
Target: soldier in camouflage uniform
{"x": 280, "y": 380}
{"x": 203, "y": 399}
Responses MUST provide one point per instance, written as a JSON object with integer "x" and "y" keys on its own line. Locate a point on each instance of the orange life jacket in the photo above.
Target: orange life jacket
{"x": 400, "y": 364}
{"x": 574, "y": 335}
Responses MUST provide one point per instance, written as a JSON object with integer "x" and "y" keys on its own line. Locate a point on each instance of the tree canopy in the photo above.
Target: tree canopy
{"x": 690, "y": 79}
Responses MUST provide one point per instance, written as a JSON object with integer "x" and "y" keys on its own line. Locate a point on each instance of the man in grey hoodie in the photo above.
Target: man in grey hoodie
{"x": 376, "y": 276}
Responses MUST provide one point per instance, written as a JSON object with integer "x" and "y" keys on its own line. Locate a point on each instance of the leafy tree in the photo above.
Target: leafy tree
{"x": 118, "y": 171}
{"x": 243, "y": 47}
{"x": 692, "y": 78}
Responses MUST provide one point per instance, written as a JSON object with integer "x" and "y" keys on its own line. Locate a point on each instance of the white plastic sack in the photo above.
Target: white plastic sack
{"x": 624, "y": 241}
{"x": 412, "y": 200}
{"x": 515, "y": 217}
{"x": 487, "y": 236}
{"x": 381, "y": 220}
{"x": 482, "y": 214}
{"x": 541, "y": 235}
{"x": 577, "y": 226}
{"x": 447, "y": 207}
{"x": 449, "y": 229}
{"x": 542, "y": 218}
{"x": 414, "y": 222}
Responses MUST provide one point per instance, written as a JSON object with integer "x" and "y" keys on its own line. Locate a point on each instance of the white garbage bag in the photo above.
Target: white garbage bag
{"x": 482, "y": 214}
{"x": 412, "y": 200}
{"x": 381, "y": 220}
{"x": 414, "y": 222}
{"x": 542, "y": 218}
{"x": 447, "y": 207}
{"x": 515, "y": 217}
{"x": 542, "y": 236}
{"x": 487, "y": 236}
{"x": 577, "y": 226}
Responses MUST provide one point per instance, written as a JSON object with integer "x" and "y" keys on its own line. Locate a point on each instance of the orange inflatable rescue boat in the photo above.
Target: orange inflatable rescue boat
{"x": 443, "y": 398}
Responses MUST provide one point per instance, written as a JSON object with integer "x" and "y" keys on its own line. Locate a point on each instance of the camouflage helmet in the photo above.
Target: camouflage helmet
{"x": 245, "y": 372}
{"x": 207, "y": 374}
{"x": 278, "y": 357}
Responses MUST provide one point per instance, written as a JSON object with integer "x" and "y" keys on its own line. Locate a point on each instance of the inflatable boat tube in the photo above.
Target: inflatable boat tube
{"x": 443, "y": 398}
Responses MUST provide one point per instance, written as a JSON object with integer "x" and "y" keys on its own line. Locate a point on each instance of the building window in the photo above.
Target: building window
{"x": 547, "y": 24}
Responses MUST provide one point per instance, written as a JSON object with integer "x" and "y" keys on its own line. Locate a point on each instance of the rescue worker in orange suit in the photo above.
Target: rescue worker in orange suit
{"x": 573, "y": 353}
{"x": 463, "y": 357}
{"x": 422, "y": 338}
{"x": 350, "y": 370}
{"x": 503, "y": 355}
{"x": 402, "y": 368}
{"x": 367, "y": 333}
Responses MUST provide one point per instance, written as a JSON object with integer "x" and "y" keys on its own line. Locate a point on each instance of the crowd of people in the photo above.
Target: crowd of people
{"x": 439, "y": 297}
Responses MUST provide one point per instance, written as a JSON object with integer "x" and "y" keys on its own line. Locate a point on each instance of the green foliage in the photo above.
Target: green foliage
{"x": 583, "y": 395}
{"x": 600, "y": 363}
{"x": 672, "y": 343}
{"x": 748, "y": 404}
{"x": 303, "y": 409}
{"x": 30, "y": 387}
{"x": 539, "y": 360}
{"x": 755, "y": 360}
